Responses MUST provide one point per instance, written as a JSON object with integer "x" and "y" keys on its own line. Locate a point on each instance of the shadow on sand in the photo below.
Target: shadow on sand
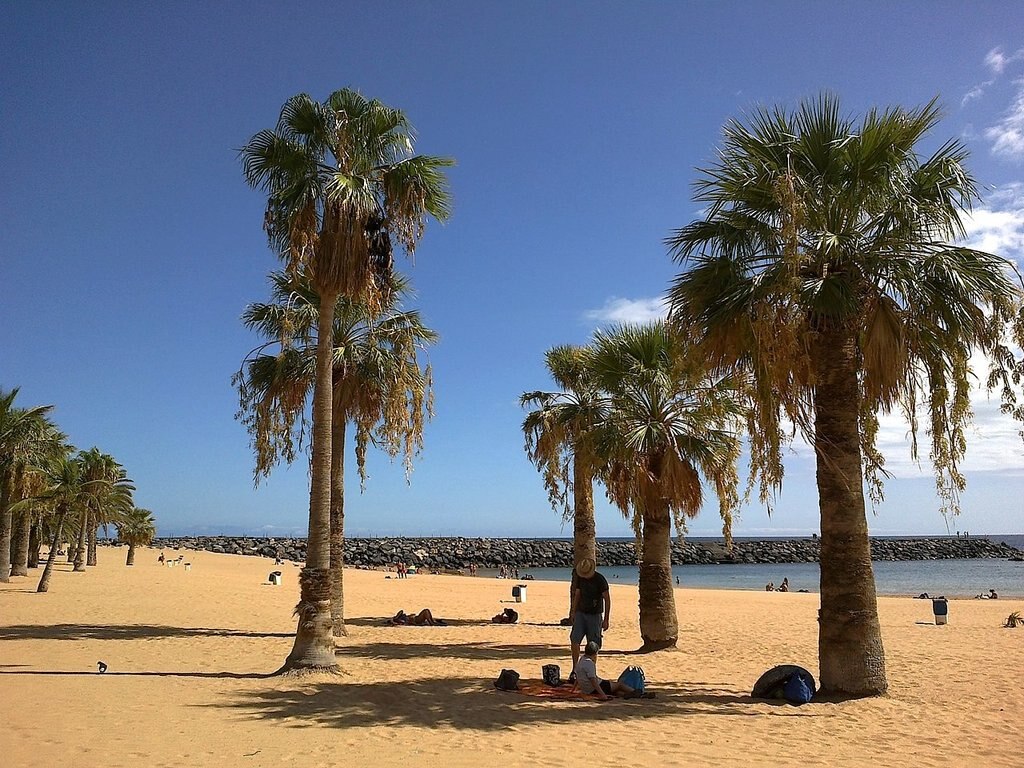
{"x": 121, "y": 632}
{"x": 498, "y": 652}
{"x": 473, "y": 704}
{"x": 108, "y": 673}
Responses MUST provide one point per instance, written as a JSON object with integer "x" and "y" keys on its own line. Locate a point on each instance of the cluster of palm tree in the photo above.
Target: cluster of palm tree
{"x": 825, "y": 276}
{"x": 342, "y": 186}
{"x": 51, "y": 492}
{"x": 638, "y": 414}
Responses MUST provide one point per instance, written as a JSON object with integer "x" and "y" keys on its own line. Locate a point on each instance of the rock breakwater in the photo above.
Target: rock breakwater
{"x": 458, "y": 553}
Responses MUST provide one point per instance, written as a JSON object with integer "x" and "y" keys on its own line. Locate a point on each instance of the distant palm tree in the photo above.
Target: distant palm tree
{"x": 822, "y": 269}
{"x": 669, "y": 426}
{"x": 106, "y": 499}
{"x": 379, "y": 387}
{"x": 136, "y": 528}
{"x": 23, "y": 436}
{"x": 560, "y": 441}
{"x": 341, "y": 181}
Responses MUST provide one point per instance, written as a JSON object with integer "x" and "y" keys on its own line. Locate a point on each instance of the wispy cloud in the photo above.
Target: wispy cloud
{"x": 975, "y": 93}
{"x": 617, "y": 310}
{"x": 997, "y": 61}
{"x": 1007, "y": 135}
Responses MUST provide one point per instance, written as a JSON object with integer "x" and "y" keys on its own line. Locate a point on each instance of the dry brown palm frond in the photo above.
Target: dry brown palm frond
{"x": 1014, "y": 620}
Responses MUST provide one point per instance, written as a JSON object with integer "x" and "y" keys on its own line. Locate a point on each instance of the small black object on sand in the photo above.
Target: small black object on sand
{"x": 101, "y": 667}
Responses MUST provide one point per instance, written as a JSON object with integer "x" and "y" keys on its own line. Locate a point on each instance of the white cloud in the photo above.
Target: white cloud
{"x": 998, "y": 226}
{"x": 1007, "y": 135}
{"x": 997, "y": 61}
{"x": 617, "y": 311}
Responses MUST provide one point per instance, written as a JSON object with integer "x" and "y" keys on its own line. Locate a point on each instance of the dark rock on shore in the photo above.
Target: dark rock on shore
{"x": 456, "y": 553}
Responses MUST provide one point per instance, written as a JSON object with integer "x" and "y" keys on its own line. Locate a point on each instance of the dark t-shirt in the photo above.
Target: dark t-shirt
{"x": 591, "y": 593}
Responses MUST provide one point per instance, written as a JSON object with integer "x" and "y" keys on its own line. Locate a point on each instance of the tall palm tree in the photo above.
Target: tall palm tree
{"x": 670, "y": 425}
{"x": 823, "y": 269}
{"x": 136, "y": 528}
{"x": 341, "y": 181}
{"x": 379, "y": 387}
{"x": 23, "y": 434}
{"x": 559, "y": 436}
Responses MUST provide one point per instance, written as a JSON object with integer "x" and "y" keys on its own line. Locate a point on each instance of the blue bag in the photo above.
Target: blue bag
{"x": 634, "y": 678}
{"x": 796, "y": 690}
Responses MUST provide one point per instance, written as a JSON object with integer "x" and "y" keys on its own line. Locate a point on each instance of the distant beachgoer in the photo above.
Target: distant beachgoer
{"x": 591, "y": 607}
{"x": 587, "y": 680}
{"x": 507, "y": 616}
{"x": 161, "y": 558}
{"x": 784, "y": 586}
{"x": 677, "y": 581}
{"x": 769, "y": 587}
{"x": 423, "y": 618}
{"x": 992, "y": 595}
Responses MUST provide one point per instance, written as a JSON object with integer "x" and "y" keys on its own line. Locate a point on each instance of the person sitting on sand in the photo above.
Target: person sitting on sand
{"x": 992, "y": 595}
{"x": 769, "y": 587}
{"x": 421, "y": 619}
{"x": 508, "y": 616}
{"x": 784, "y": 586}
{"x": 587, "y": 680}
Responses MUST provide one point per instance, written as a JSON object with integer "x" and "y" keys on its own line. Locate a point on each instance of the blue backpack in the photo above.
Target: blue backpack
{"x": 634, "y": 678}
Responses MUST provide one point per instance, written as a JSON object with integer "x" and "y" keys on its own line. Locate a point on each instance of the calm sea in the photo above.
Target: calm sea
{"x": 952, "y": 578}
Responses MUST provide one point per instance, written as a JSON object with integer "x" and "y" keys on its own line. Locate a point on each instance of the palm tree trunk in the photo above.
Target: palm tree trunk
{"x": 338, "y": 523}
{"x": 851, "y": 659}
{"x": 6, "y": 488}
{"x": 34, "y": 543}
{"x": 19, "y": 557}
{"x": 44, "y": 582}
{"x": 584, "y": 530}
{"x": 83, "y": 534}
{"x": 130, "y": 560}
{"x": 314, "y": 639}
{"x": 659, "y": 627}
{"x": 93, "y": 526}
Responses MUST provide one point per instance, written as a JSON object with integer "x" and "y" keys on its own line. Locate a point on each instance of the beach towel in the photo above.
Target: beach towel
{"x": 538, "y": 689}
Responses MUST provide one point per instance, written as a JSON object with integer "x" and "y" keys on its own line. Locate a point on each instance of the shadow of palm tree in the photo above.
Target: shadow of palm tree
{"x": 383, "y": 621}
{"x": 122, "y": 632}
{"x": 498, "y": 652}
{"x": 473, "y": 704}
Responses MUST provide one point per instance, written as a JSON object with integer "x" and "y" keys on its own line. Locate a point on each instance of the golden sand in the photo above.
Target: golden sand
{"x": 188, "y": 654}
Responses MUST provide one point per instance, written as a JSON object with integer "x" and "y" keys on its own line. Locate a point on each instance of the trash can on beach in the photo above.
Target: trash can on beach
{"x": 940, "y": 607}
{"x": 519, "y": 593}
{"x": 275, "y": 578}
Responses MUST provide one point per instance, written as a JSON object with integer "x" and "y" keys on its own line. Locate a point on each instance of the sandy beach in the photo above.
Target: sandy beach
{"x": 189, "y": 653}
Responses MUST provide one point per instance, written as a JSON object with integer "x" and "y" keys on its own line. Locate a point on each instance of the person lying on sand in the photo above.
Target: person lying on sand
{"x": 508, "y": 616}
{"x": 587, "y": 680}
{"x": 421, "y": 619}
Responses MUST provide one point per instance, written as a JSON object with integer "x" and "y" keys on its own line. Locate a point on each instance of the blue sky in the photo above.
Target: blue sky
{"x": 130, "y": 243}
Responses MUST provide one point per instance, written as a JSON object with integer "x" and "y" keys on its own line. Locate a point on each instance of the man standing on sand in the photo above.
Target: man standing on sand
{"x": 591, "y": 607}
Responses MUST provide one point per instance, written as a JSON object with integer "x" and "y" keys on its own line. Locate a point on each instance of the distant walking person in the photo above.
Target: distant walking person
{"x": 591, "y": 607}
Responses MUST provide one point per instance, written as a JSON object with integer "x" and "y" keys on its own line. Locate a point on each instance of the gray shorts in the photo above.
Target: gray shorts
{"x": 586, "y": 625}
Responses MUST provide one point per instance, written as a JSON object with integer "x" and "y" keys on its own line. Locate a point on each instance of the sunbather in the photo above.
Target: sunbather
{"x": 508, "y": 616}
{"x": 423, "y": 618}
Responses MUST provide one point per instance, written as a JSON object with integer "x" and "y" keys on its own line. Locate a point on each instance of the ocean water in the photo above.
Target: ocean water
{"x": 952, "y": 578}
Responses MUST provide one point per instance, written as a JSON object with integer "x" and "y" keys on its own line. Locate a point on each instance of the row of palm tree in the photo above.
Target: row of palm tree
{"x": 824, "y": 275}
{"x": 48, "y": 491}
{"x": 342, "y": 185}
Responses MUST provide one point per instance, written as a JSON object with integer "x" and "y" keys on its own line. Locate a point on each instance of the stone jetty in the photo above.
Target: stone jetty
{"x": 459, "y": 553}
